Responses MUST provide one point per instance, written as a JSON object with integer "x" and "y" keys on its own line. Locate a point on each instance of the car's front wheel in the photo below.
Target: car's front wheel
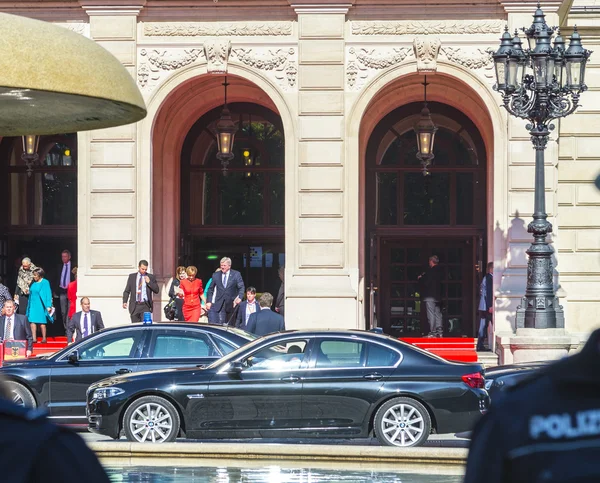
{"x": 151, "y": 419}
{"x": 402, "y": 421}
{"x": 20, "y": 395}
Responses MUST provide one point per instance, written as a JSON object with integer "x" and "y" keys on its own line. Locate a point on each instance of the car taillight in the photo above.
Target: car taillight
{"x": 475, "y": 380}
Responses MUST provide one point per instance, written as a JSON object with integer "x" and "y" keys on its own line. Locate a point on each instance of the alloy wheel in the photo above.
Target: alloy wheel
{"x": 402, "y": 425}
{"x": 151, "y": 422}
{"x": 17, "y": 399}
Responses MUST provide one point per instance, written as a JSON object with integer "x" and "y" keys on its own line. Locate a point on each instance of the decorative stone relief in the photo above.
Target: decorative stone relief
{"x": 217, "y": 53}
{"x": 426, "y": 51}
{"x": 155, "y": 64}
{"x": 480, "y": 60}
{"x": 78, "y": 28}
{"x": 425, "y": 27}
{"x": 199, "y": 29}
{"x": 364, "y": 63}
{"x": 279, "y": 63}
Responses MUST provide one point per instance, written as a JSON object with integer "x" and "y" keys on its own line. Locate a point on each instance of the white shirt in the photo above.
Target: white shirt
{"x": 89, "y": 320}
{"x": 250, "y": 309}
{"x": 64, "y": 275}
{"x": 144, "y": 291}
{"x": 9, "y": 335}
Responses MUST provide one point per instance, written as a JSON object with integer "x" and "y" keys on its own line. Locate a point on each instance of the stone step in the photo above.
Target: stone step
{"x": 488, "y": 359}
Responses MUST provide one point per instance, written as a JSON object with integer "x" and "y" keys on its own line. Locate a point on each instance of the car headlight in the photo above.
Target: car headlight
{"x": 106, "y": 392}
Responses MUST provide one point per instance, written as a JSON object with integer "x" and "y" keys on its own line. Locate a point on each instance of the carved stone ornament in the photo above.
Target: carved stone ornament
{"x": 154, "y": 63}
{"x": 280, "y": 63}
{"x": 427, "y": 27}
{"x": 426, "y": 52}
{"x": 481, "y": 60}
{"x": 212, "y": 29}
{"x": 78, "y": 28}
{"x": 217, "y": 53}
{"x": 363, "y": 63}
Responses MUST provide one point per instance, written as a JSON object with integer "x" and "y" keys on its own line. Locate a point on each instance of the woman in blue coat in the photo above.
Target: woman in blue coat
{"x": 39, "y": 308}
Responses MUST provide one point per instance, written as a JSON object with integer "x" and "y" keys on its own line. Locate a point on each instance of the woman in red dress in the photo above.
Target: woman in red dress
{"x": 192, "y": 290}
{"x": 72, "y": 295}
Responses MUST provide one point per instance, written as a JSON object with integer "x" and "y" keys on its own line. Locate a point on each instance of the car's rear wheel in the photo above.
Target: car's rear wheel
{"x": 151, "y": 419}
{"x": 20, "y": 395}
{"x": 403, "y": 422}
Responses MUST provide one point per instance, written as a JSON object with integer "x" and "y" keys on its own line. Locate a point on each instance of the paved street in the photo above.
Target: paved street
{"x": 441, "y": 440}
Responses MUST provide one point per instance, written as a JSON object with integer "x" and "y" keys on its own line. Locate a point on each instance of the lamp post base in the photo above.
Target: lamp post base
{"x": 540, "y": 312}
{"x": 529, "y": 345}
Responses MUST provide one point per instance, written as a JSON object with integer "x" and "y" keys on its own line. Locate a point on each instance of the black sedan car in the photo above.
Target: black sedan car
{"x": 500, "y": 378}
{"x": 297, "y": 384}
{"x": 59, "y": 381}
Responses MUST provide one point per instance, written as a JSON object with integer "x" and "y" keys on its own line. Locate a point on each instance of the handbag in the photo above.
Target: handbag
{"x": 170, "y": 309}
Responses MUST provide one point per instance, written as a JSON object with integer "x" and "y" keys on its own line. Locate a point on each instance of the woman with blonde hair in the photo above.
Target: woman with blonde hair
{"x": 179, "y": 276}
{"x": 191, "y": 289}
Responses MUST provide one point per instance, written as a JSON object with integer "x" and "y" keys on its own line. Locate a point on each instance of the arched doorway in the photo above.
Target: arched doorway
{"x": 412, "y": 216}
{"x": 40, "y": 216}
{"x": 240, "y": 212}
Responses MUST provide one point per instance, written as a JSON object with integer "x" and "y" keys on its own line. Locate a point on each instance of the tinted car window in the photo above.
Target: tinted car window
{"x": 277, "y": 357}
{"x": 117, "y": 346}
{"x": 380, "y": 356}
{"x": 339, "y": 353}
{"x": 224, "y": 346}
{"x": 183, "y": 345}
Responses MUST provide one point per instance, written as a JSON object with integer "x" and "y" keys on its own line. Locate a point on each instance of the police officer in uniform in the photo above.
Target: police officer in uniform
{"x": 545, "y": 429}
{"x": 33, "y": 450}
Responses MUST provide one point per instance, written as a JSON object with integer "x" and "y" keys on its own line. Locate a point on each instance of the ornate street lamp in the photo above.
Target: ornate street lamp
{"x": 533, "y": 87}
{"x": 425, "y": 130}
{"x": 225, "y": 131}
{"x": 30, "y": 151}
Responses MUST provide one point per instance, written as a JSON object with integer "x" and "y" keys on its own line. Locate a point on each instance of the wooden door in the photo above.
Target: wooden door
{"x": 401, "y": 263}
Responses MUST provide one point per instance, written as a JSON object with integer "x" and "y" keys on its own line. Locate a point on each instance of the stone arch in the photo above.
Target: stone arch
{"x": 172, "y": 110}
{"x": 452, "y": 85}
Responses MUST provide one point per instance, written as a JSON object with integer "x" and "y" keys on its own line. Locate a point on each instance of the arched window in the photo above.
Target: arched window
{"x": 48, "y": 195}
{"x": 250, "y": 192}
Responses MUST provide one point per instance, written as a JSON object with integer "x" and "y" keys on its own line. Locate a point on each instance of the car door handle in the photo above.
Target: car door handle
{"x": 123, "y": 371}
{"x": 290, "y": 379}
{"x": 373, "y": 377}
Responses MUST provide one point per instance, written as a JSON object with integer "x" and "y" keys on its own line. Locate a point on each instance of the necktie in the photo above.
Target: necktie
{"x": 8, "y": 332}
{"x": 64, "y": 278}
{"x": 139, "y": 290}
{"x": 85, "y": 325}
{"x": 225, "y": 280}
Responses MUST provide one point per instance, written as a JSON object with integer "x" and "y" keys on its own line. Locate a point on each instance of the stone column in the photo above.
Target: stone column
{"x": 321, "y": 291}
{"x": 113, "y": 232}
{"x": 522, "y": 345}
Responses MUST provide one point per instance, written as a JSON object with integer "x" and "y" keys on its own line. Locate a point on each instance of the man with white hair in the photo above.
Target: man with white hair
{"x": 225, "y": 292}
{"x": 24, "y": 280}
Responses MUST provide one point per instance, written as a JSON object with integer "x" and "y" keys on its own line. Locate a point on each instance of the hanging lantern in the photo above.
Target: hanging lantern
{"x": 225, "y": 131}
{"x": 30, "y": 151}
{"x": 425, "y": 130}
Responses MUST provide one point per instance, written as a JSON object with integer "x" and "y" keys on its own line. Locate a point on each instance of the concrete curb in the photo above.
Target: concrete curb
{"x": 293, "y": 452}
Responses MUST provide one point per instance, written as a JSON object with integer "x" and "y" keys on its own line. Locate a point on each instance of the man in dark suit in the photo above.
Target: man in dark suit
{"x": 225, "y": 292}
{"x": 139, "y": 289}
{"x": 265, "y": 321}
{"x": 15, "y": 326}
{"x": 247, "y": 308}
{"x": 486, "y": 304}
{"x": 84, "y": 323}
{"x": 64, "y": 273}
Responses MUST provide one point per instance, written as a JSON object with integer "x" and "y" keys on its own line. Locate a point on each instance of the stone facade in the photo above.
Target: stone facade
{"x": 326, "y": 67}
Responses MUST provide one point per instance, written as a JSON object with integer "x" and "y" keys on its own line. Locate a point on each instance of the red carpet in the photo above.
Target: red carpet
{"x": 54, "y": 344}
{"x": 461, "y": 349}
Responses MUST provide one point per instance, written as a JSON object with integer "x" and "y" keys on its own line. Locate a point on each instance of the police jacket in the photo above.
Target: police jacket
{"x": 34, "y": 450}
{"x": 545, "y": 429}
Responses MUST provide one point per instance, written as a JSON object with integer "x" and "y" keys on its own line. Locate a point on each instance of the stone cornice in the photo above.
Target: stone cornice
{"x": 321, "y": 6}
{"x": 112, "y": 7}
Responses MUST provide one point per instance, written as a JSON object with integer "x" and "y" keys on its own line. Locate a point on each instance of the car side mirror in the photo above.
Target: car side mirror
{"x": 73, "y": 357}
{"x": 235, "y": 368}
